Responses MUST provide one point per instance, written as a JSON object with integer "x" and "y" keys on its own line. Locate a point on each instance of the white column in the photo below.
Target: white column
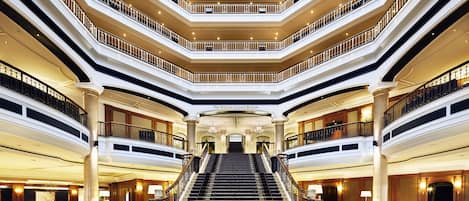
{"x": 279, "y": 123}
{"x": 380, "y": 174}
{"x": 191, "y": 122}
{"x": 91, "y": 180}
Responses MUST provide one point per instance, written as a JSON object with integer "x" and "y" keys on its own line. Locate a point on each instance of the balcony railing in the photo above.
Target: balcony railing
{"x": 133, "y": 50}
{"x": 335, "y": 132}
{"x": 112, "y": 129}
{"x": 23, "y": 83}
{"x": 234, "y": 8}
{"x": 449, "y": 82}
{"x": 237, "y": 45}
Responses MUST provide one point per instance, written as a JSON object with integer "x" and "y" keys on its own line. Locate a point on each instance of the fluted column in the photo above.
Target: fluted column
{"x": 279, "y": 123}
{"x": 380, "y": 174}
{"x": 191, "y": 122}
{"x": 91, "y": 180}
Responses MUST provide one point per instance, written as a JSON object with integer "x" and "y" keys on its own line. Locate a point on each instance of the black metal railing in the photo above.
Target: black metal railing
{"x": 442, "y": 85}
{"x": 334, "y": 132}
{"x": 139, "y": 133}
{"x": 23, "y": 83}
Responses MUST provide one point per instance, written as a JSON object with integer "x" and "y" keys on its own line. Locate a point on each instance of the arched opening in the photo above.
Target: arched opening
{"x": 235, "y": 143}
{"x": 440, "y": 191}
{"x": 260, "y": 141}
{"x": 210, "y": 142}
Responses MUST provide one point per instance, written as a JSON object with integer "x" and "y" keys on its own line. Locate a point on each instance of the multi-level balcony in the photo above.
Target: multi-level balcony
{"x": 237, "y": 45}
{"x": 339, "y": 49}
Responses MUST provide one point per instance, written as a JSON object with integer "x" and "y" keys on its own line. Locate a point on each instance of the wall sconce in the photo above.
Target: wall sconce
{"x": 19, "y": 190}
{"x": 74, "y": 192}
{"x": 423, "y": 184}
{"x": 339, "y": 188}
{"x": 139, "y": 187}
{"x": 458, "y": 183}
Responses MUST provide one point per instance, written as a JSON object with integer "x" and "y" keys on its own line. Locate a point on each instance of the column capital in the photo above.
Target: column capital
{"x": 191, "y": 118}
{"x": 91, "y": 87}
{"x": 380, "y": 87}
{"x": 279, "y": 119}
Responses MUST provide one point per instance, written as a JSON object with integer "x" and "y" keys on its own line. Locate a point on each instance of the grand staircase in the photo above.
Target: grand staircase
{"x": 235, "y": 176}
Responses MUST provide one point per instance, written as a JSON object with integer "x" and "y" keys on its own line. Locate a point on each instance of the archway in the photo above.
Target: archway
{"x": 235, "y": 143}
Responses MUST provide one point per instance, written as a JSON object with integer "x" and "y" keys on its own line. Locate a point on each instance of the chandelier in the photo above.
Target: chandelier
{"x": 212, "y": 130}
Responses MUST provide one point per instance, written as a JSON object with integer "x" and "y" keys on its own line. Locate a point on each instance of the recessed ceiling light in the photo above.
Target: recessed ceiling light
{"x": 276, "y": 33}
{"x": 312, "y": 11}
{"x": 250, "y": 3}
{"x": 159, "y": 12}
{"x": 195, "y": 38}
{"x": 218, "y": 3}
{"x": 311, "y": 51}
{"x": 124, "y": 34}
{"x": 193, "y": 33}
{"x": 307, "y": 24}
{"x": 346, "y": 34}
{"x": 340, "y": 5}
{"x": 275, "y": 38}
{"x": 433, "y": 33}
{"x": 251, "y": 38}
{"x": 37, "y": 35}
{"x": 218, "y": 37}
{"x": 162, "y": 24}
{"x": 159, "y": 52}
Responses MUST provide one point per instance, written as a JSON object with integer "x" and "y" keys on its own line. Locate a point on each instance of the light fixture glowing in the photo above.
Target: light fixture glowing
{"x": 195, "y": 38}
{"x": 218, "y": 3}
{"x": 124, "y": 34}
{"x": 251, "y": 38}
{"x": 312, "y": 11}
{"x": 18, "y": 190}
{"x": 339, "y": 188}
{"x": 193, "y": 33}
{"x": 250, "y": 3}
{"x": 423, "y": 184}
{"x": 159, "y": 12}
{"x": 139, "y": 187}
{"x": 276, "y": 33}
{"x": 159, "y": 52}
{"x": 162, "y": 24}
{"x": 430, "y": 189}
{"x": 275, "y": 38}
{"x": 130, "y": 5}
{"x": 457, "y": 184}
{"x": 311, "y": 51}
{"x": 218, "y": 37}
{"x": 346, "y": 34}
{"x": 74, "y": 192}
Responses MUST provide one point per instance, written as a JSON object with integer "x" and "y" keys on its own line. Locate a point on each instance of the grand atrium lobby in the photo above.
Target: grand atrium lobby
{"x": 224, "y": 100}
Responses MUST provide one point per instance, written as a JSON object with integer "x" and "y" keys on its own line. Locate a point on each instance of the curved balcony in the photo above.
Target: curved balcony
{"x": 329, "y": 133}
{"x": 25, "y": 84}
{"x": 237, "y": 45}
{"x": 434, "y": 115}
{"x": 137, "y": 145}
{"x": 120, "y": 130}
{"x": 447, "y": 83}
{"x": 33, "y": 110}
{"x": 339, "y": 49}
{"x": 235, "y": 8}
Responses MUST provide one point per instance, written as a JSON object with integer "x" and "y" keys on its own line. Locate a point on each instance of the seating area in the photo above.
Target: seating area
{"x": 235, "y": 176}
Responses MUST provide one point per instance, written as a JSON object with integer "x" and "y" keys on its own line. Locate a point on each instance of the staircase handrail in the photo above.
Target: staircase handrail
{"x": 183, "y": 179}
{"x": 289, "y": 182}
